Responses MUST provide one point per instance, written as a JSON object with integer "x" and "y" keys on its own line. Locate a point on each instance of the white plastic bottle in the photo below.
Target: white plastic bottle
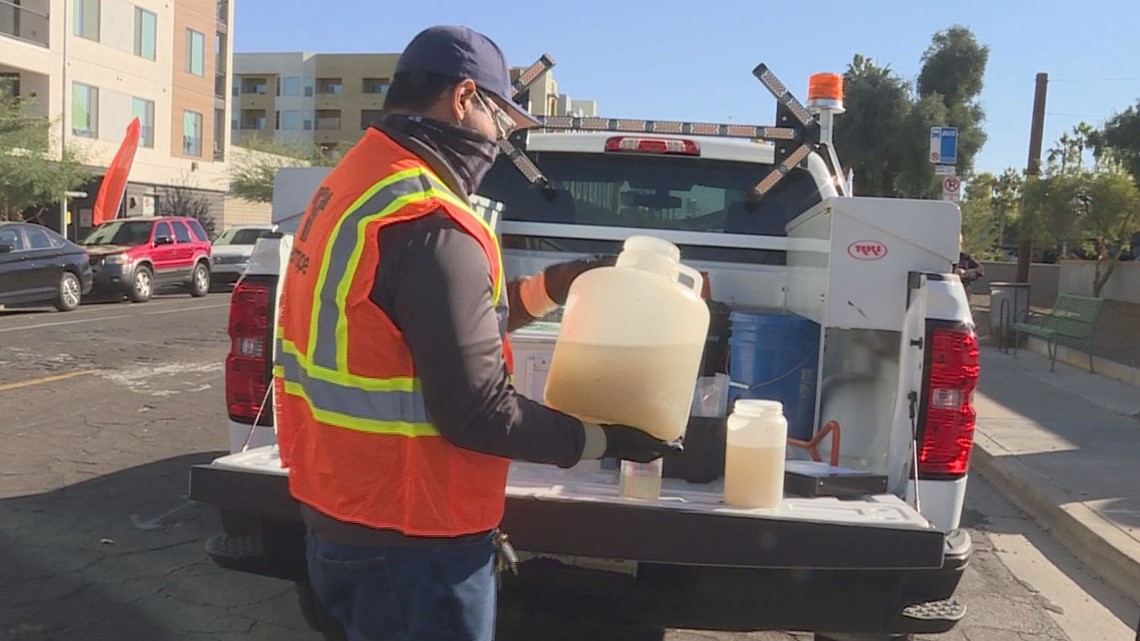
{"x": 629, "y": 349}
{"x": 755, "y": 448}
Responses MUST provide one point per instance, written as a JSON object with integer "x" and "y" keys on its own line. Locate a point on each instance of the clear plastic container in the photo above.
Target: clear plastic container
{"x": 755, "y": 447}
{"x": 631, "y": 340}
{"x": 641, "y": 480}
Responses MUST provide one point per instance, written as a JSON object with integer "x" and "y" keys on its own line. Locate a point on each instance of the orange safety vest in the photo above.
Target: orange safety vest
{"x": 351, "y": 421}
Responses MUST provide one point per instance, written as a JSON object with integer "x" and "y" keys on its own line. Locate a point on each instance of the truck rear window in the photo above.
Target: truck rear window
{"x": 673, "y": 193}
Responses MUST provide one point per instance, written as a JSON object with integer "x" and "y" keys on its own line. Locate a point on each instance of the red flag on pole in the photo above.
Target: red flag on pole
{"x": 115, "y": 180}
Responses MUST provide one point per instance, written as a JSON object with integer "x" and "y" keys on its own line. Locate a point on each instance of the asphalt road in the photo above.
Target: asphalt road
{"x": 103, "y": 410}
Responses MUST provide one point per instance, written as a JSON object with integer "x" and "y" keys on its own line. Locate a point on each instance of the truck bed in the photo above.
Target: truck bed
{"x": 543, "y": 500}
{"x": 688, "y": 561}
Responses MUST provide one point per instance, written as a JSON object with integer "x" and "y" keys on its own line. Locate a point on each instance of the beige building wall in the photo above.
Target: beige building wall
{"x": 106, "y": 65}
{"x": 239, "y": 211}
{"x": 341, "y": 116}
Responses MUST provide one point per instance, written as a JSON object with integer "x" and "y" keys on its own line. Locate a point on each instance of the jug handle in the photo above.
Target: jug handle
{"x": 694, "y": 275}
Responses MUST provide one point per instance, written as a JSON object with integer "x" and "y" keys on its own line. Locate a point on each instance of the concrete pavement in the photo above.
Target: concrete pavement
{"x": 1065, "y": 447}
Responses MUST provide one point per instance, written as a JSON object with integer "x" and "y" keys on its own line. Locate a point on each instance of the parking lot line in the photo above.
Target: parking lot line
{"x": 96, "y": 319}
{"x": 46, "y": 379}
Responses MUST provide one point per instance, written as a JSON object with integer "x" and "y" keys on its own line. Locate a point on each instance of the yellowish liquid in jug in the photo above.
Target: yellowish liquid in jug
{"x": 753, "y": 476}
{"x": 640, "y": 387}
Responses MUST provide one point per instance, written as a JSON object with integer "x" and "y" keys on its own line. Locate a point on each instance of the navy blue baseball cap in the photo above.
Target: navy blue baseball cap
{"x": 461, "y": 52}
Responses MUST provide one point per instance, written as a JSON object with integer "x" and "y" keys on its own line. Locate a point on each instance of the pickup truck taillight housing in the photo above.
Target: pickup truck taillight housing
{"x": 947, "y": 419}
{"x": 248, "y": 373}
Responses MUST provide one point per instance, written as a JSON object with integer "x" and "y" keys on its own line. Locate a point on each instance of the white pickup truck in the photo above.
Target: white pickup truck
{"x": 897, "y": 368}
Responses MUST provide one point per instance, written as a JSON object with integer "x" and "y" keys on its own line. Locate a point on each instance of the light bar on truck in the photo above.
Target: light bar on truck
{"x": 783, "y": 96}
{"x": 529, "y": 170}
{"x": 751, "y": 132}
{"x": 781, "y": 170}
{"x": 545, "y": 62}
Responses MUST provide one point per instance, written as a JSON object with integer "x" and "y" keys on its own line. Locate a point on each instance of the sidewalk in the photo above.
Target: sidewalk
{"x": 1065, "y": 447}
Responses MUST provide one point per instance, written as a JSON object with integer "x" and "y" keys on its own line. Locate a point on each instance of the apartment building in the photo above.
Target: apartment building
{"x": 328, "y": 100}
{"x": 94, "y": 65}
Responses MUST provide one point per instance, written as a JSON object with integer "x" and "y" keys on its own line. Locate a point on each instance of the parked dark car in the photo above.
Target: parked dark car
{"x": 38, "y": 265}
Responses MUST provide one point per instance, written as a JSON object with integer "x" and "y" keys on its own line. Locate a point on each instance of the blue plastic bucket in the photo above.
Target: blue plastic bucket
{"x": 775, "y": 357}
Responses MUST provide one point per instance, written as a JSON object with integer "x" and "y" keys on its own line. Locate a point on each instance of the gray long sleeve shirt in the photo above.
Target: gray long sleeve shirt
{"x": 434, "y": 282}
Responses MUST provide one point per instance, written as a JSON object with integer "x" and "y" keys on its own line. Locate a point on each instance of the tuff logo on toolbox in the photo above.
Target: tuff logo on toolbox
{"x": 867, "y": 250}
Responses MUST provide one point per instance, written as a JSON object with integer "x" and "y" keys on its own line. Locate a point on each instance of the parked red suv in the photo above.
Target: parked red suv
{"x": 137, "y": 255}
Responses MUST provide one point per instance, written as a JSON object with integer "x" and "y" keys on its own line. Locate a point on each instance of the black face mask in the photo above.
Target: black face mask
{"x": 469, "y": 153}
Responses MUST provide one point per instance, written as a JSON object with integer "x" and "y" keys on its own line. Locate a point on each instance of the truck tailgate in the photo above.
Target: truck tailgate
{"x": 579, "y": 512}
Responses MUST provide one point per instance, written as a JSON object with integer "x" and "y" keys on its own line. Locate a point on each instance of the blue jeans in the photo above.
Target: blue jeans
{"x": 444, "y": 593}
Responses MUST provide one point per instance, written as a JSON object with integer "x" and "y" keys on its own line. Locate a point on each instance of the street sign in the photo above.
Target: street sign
{"x": 951, "y": 186}
{"x": 944, "y": 145}
{"x": 945, "y": 170}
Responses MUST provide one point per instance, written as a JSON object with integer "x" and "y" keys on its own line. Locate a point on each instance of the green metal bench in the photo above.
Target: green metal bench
{"x": 1073, "y": 319}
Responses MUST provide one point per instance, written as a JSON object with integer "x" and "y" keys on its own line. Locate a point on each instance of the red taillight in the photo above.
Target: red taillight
{"x": 948, "y": 433}
{"x": 247, "y": 365}
{"x": 668, "y": 146}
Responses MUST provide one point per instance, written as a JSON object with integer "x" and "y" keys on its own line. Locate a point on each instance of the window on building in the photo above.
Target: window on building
{"x": 253, "y": 119}
{"x": 144, "y": 110}
{"x": 84, "y": 110}
{"x": 10, "y": 84}
{"x": 146, "y": 33}
{"x": 191, "y": 133}
{"x": 219, "y": 134}
{"x": 328, "y": 119}
{"x": 308, "y": 88}
{"x": 329, "y": 86}
{"x": 289, "y": 86}
{"x": 375, "y": 85}
{"x": 369, "y": 116}
{"x": 254, "y": 85}
{"x": 86, "y": 14}
{"x": 195, "y": 52}
{"x": 289, "y": 119}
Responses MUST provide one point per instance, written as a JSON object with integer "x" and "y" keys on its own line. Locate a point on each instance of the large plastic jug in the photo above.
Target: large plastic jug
{"x": 631, "y": 340}
{"x": 755, "y": 448}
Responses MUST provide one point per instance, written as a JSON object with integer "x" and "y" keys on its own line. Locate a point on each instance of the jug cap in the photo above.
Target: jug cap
{"x": 653, "y": 244}
{"x": 756, "y": 407}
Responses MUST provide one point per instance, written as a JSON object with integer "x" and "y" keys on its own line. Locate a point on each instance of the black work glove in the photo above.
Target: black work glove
{"x": 631, "y": 444}
{"x": 558, "y": 277}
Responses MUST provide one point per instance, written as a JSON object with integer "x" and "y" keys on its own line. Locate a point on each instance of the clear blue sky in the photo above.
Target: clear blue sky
{"x": 692, "y": 59}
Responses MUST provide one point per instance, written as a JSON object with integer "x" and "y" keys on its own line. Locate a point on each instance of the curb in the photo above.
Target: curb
{"x": 1093, "y": 540}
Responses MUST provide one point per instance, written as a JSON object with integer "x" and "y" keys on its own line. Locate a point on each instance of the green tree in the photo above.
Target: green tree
{"x": 32, "y": 177}
{"x": 953, "y": 72}
{"x": 251, "y": 174}
{"x": 1109, "y": 213}
{"x": 867, "y": 136}
{"x": 884, "y": 136}
{"x": 1120, "y": 138}
{"x": 1095, "y": 207}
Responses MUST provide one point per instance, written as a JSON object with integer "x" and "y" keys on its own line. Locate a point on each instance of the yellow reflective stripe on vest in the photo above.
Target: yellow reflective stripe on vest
{"x": 328, "y": 328}
{"x": 454, "y": 200}
{"x": 393, "y": 411}
{"x": 357, "y": 423}
{"x": 286, "y": 349}
{"x": 326, "y": 317}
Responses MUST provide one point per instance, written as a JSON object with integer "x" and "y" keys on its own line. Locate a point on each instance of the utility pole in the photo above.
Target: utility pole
{"x": 1032, "y": 170}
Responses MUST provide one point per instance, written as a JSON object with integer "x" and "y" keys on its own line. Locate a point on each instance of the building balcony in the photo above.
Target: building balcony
{"x": 27, "y": 21}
